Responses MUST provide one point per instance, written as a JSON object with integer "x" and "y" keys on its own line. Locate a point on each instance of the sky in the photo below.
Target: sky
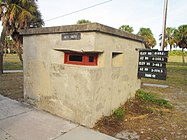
{"x": 114, "y": 13}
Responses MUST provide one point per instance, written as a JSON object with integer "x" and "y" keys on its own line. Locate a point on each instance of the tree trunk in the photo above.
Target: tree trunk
{"x": 2, "y": 38}
{"x": 170, "y": 48}
{"x": 183, "y": 56}
{"x": 19, "y": 50}
{"x": 1, "y": 61}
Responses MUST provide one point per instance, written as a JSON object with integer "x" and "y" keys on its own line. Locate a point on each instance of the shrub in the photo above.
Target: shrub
{"x": 119, "y": 113}
{"x": 154, "y": 98}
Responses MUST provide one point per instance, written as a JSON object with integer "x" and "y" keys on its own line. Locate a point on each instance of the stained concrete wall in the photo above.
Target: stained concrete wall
{"x": 82, "y": 94}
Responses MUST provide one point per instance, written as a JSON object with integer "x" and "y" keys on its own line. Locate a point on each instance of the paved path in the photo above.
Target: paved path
{"x": 19, "y": 121}
{"x": 12, "y": 71}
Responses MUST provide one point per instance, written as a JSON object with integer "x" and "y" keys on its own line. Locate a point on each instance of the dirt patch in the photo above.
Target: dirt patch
{"x": 12, "y": 86}
{"x": 146, "y": 121}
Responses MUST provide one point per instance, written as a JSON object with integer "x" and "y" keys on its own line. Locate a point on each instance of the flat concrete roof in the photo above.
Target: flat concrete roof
{"x": 90, "y": 27}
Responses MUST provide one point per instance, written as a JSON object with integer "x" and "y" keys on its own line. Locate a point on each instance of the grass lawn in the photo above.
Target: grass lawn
{"x": 176, "y": 74}
{"x": 11, "y": 62}
{"x": 176, "y": 59}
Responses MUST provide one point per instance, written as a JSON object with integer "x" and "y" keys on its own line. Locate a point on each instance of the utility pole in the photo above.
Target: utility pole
{"x": 164, "y": 24}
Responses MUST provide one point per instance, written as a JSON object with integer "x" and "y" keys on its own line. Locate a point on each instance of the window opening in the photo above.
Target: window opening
{"x": 89, "y": 59}
{"x": 75, "y": 58}
{"x": 117, "y": 59}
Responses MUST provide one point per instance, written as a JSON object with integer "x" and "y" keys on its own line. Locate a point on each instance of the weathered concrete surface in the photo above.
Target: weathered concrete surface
{"x": 82, "y": 133}
{"x": 31, "y": 124}
{"x": 35, "y": 125}
{"x": 5, "y": 136}
{"x": 91, "y": 27}
{"x": 9, "y": 108}
{"x": 2, "y": 97}
{"x": 155, "y": 85}
{"x": 81, "y": 94}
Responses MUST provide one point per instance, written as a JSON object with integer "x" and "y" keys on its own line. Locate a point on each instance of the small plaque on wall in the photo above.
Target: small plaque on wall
{"x": 71, "y": 36}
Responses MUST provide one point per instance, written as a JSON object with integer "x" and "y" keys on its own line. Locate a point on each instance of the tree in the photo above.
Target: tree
{"x": 169, "y": 39}
{"x": 180, "y": 38}
{"x": 126, "y": 28}
{"x": 83, "y": 21}
{"x": 8, "y": 43}
{"x": 150, "y": 41}
{"x": 16, "y": 15}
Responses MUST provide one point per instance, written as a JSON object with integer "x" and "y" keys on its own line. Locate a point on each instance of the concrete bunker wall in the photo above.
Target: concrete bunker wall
{"x": 79, "y": 93}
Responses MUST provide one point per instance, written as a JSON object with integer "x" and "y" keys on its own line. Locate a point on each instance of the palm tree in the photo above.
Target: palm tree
{"x": 170, "y": 36}
{"x": 126, "y": 28}
{"x": 83, "y": 21}
{"x": 16, "y": 15}
{"x": 169, "y": 40}
{"x": 180, "y": 38}
{"x": 150, "y": 41}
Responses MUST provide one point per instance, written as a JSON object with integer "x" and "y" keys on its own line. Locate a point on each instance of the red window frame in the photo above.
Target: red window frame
{"x": 85, "y": 58}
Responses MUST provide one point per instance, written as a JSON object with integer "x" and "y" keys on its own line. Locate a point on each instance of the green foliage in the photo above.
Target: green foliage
{"x": 119, "y": 113}
{"x": 83, "y": 21}
{"x": 16, "y": 15}
{"x": 153, "y": 98}
{"x": 147, "y": 34}
{"x": 177, "y": 53}
{"x": 181, "y": 36}
{"x": 19, "y": 14}
{"x": 126, "y": 28}
{"x": 169, "y": 38}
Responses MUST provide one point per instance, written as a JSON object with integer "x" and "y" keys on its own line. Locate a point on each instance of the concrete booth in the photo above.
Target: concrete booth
{"x": 80, "y": 72}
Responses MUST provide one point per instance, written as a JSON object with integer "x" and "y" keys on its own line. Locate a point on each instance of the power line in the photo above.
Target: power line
{"x": 78, "y": 10}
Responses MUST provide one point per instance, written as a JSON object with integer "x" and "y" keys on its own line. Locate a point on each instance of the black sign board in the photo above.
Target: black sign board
{"x": 71, "y": 36}
{"x": 152, "y": 64}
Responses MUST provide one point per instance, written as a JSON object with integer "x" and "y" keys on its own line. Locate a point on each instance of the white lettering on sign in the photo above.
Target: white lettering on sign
{"x": 71, "y": 36}
{"x": 157, "y": 59}
{"x": 157, "y": 64}
{"x": 143, "y": 53}
{"x": 141, "y": 69}
{"x": 142, "y": 63}
{"x": 141, "y": 58}
{"x": 148, "y": 75}
{"x": 159, "y": 53}
{"x": 157, "y": 70}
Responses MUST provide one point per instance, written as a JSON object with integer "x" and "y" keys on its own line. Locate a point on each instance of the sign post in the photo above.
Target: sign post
{"x": 152, "y": 64}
